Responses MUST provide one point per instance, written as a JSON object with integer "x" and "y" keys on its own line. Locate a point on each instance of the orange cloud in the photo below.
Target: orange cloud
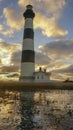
{"x": 1, "y": 27}
{"x": 7, "y": 32}
{"x": 6, "y": 52}
{"x": 48, "y": 6}
{"x": 9, "y": 60}
{"x": 49, "y": 26}
{"x": 61, "y": 49}
{"x": 61, "y": 54}
{"x": 47, "y": 23}
{"x": 24, "y": 3}
{"x": 13, "y": 19}
{"x": 1, "y": 40}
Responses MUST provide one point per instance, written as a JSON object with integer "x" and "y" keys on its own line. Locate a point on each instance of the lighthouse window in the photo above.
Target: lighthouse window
{"x": 37, "y": 77}
{"x": 42, "y": 77}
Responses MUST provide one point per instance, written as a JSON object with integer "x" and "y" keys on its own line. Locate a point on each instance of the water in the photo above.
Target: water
{"x": 46, "y": 110}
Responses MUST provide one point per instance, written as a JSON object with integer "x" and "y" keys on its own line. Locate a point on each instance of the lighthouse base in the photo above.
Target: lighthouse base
{"x": 26, "y": 79}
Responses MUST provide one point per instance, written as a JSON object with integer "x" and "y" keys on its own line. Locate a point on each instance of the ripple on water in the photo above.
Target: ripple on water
{"x": 40, "y": 110}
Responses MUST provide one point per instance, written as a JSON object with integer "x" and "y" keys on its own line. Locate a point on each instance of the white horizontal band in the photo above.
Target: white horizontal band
{"x": 27, "y": 69}
{"x": 28, "y": 44}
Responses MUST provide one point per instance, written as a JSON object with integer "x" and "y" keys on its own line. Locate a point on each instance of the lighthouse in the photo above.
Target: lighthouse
{"x": 28, "y": 54}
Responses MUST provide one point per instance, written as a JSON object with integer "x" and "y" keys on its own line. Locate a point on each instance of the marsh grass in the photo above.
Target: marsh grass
{"x": 15, "y": 85}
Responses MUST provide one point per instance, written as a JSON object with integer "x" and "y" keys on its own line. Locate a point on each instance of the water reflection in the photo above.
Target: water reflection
{"x": 26, "y": 110}
{"x": 47, "y": 110}
{"x": 9, "y": 110}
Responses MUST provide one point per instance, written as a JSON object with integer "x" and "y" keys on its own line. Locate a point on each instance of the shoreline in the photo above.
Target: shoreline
{"x": 21, "y": 86}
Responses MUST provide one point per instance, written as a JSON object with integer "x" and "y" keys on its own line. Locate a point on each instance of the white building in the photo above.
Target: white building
{"x": 42, "y": 76}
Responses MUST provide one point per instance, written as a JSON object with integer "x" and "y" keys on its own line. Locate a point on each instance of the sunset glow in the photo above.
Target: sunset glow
{"x": 53, "y": 39}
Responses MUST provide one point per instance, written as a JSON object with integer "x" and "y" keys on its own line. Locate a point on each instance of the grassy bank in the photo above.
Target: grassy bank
{"x": 14, "y": 85}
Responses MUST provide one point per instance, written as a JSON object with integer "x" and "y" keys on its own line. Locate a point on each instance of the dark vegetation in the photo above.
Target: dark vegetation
{"x": 14, "y": 85}
{"x": 68, "y": 80}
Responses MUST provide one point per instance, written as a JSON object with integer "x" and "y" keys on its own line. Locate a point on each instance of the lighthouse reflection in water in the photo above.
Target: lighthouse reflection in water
{"x": 46, "y": 110}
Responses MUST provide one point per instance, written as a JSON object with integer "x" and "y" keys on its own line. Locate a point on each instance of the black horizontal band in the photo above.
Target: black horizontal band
{"x": 28, "y": 33}
{"x": 28, "y": 56}
{"x": 29, "y": 14}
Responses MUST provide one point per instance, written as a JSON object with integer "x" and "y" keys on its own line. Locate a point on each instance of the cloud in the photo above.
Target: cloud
{"x": 23, "y": 3}
{"x": 10, "y": 55}
{"x": 7, "y": 32}
{"x": 64, "y": 73}
{"x": 68, "y": 70}
{"x": 14, "y": 19}
{"x": 1, "y": 40}
{"x": 57, "y": 76}
{"x": 10, "y": 47}
{"x": 61, "y": 55}
{"x": 41, "y": 59}
{"x": 16, "y": 58}
{"x": 1, "y": 27}
{"x": 51, "y": 13}
{"x": 53, "y": 10}
{"x": 4, "y": 31}
{"x": 49, "y": 28}
{"x": 0, "y": 62}
{"x": 55, "y": 56}
{"x": 9, "y": 59}
{"x": 59, "y": 49}
{"x": 50, "y": 6}
{"x": 8, "y": 69}
{"x": 6, "y": 51}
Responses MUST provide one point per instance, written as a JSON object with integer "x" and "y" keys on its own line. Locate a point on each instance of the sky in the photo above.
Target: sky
{"x": 53, "y": 37}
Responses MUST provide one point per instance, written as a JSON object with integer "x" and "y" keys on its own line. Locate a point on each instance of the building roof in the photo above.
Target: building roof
{"x": 42, "y": 71}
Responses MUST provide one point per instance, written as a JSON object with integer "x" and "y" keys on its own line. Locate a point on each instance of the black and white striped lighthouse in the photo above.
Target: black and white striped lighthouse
{"x": 28, "y": 54}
